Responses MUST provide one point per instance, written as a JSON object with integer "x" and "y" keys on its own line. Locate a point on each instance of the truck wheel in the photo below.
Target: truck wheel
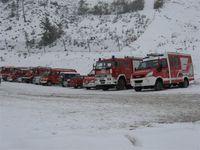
{"x": 184, "y": 84}
{"x": 138, "y": 89}
{"x": 49, "y": 83}
{"x": 121, "y": 84}
{"x": 63, "y": 85}
{"x": 105, "y": 88}
{"x": 129, "y": 87}
{"x": 168, "y": 86}
{"x": 88, "y": 88}
{"x": 158, "y": 86}
{"x": 33, "y": 81}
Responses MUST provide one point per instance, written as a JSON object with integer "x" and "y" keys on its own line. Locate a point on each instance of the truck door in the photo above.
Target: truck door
{"x": 128, "y": 69}
{"x": 164, "y": 72}
{"x": 174, "y": 67}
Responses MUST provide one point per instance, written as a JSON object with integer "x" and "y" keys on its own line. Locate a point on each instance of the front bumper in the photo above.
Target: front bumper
{"x": 105, "y": 81}
{"x": 143, "y": 82}
{"x": 9, "y": 79}
{"x": 26, "y": 79}
{"x": 36, "y": 80}
{"x": 89, "y": 85}
{"x": 43, "y": 81}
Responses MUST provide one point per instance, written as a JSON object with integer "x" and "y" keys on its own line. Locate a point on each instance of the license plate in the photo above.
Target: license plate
{"x": 138, "y": 84}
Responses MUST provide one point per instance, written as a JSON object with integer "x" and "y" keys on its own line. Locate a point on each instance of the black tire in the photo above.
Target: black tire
{"x": 184, "y": 84}
{"x": 129, "y": 87}
{"x": 158, "y": 85}
{"x": 49, "y": 83}
{"x": 105, "y": 88}
{"x": 88, "y": 88}
{"x": 138, "y": 89}
{"x": 168, "y": 86}
{"x": 121, "y": 84}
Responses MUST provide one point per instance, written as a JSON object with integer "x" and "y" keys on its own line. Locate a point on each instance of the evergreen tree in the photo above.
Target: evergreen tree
{"x": 51, "y": 32}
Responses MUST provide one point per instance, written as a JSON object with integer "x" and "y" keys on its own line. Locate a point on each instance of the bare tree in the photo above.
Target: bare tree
{"x": 27, "y": 41}
{"x": 118, "y": 44}
{"x": 65, "y": 49}
{"x": 88, "y": 44}
{"x": 17, "y": 9}
{"x": 23, "y": 10}
{"x": 6, "y": 44}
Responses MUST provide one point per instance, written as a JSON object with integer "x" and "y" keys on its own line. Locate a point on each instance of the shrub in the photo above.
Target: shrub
{"x": 4, "y": 1}
{"x": 83, "y": 7}
{"x": 158, "y": 4}
{"x": 101, "y": 8}
{"x": 118, "y": 6}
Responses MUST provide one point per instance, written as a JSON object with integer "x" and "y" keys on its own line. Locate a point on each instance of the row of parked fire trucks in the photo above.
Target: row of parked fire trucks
{"x": 156, "y": 71}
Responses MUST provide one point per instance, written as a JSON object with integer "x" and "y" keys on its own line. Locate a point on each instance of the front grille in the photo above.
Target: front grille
{"x": 139, "y": 81}
{"x": 101, "y": 76}
{"x": 102, "y": 81}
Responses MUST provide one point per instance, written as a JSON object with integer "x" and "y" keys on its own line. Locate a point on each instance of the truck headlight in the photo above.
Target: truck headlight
{"x": 150, "y": 74}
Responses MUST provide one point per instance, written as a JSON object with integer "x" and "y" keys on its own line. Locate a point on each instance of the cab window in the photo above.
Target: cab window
{"x": 164, "y": 63}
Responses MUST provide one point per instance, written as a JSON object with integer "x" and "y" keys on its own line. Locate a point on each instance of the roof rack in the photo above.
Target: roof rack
{"x": 154, "y": 55}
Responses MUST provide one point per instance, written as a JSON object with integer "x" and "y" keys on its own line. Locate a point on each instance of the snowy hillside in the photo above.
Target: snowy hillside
{"x": 175, "y": 27}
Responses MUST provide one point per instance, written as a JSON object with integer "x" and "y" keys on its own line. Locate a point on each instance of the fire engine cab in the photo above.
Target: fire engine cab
{"x": 163, "y": 70}
{"x": 115, "y": 72}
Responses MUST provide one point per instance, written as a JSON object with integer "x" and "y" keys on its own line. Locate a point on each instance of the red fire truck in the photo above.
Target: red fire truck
{"x": 38, "y": 72}
{"x": 29, "y": 77}
{"x": 163, "y": 70}
{"x": 115, "y": 72}
{"x": 17, "y": 74}
{"x": 66, "y": 78}
{"x": 76, "y": 82}
{"x": 6, "y": 71}
{"x": 53, "y": 76}
{"x": 87, "y": 82}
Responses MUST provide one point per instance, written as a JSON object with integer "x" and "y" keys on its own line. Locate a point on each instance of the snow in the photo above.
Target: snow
{"x": 159, "y": 137}
{"x": 40, "y": 117}
{"x": 171, "y": 136}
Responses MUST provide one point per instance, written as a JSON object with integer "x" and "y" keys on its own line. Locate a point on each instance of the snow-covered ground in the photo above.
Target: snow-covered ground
{"x": 39, "y": 117}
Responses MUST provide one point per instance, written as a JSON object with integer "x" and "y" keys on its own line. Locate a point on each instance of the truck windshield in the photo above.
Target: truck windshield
{"x": 148, "y": 64}
{"x": 103, "y": 65}
{"x": 45, "y": 74}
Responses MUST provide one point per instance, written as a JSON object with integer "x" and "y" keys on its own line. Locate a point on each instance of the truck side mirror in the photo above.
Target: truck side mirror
{"x": 94, "y": 66}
